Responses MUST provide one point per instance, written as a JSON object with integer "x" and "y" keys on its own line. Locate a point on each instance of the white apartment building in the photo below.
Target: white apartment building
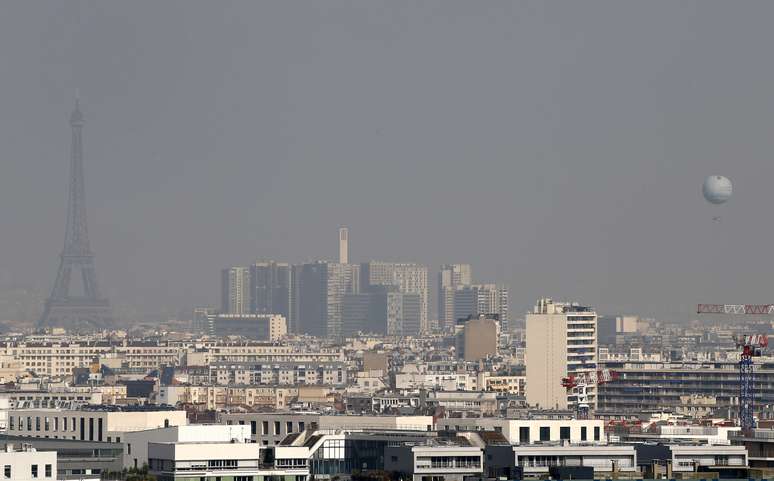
{"x": 537, "y": 460}
{"x": 136, "y": 451}
{"x": 59, "y": 359}
{"x": 88, "y": 425}
{"x": 228, "y": 353}
{"x": 437, "y": 381}
{"x": 27, "y": 464}
{"x": 561, "y": 341}
{"x": 221, "y": 397}
{"x": 528, "y": 431}
{"x": 214, "y": 461}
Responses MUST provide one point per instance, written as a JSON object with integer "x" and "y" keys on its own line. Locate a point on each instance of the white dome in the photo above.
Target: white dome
{"x": 716, "y": 189}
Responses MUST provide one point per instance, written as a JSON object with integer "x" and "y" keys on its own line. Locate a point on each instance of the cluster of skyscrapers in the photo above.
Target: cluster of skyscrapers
{"x": 334, "y": 299}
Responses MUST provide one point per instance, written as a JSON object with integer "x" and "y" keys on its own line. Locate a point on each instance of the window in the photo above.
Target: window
{"x": 301, "y": 426}
{"x": 545, "y": 433}
{"x": 128, "y": 448}
{"x": 91, "y": 429}
{"x": 7, "y": 471}
{"x": 48, "y": 470}
{"x": 64, "y": 424}
{"x": 596, "y": 433}
{"x": 583, "y": 433}
{"x": 34, "y": 470}
{"x": 253, "y": 427}
{"x": 564, "y": 432}
{"x": 524, "y": 434}
{"x": 276, "y": 427}
{"x": 56, "y": 424}
{"x": 29, "y": 423}
{"x": 10, "y": 425}
{"x": 265, "y": 428}
{"x": 289, "y": 426}
{"x": 37, "y": 424}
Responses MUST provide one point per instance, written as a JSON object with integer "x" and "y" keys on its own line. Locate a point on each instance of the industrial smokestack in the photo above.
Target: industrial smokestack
{"x": 343, "y": 245}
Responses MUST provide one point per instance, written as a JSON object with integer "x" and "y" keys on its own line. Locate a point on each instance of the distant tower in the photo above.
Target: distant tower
{"x": 89, "y": 310}
{"x": 343, "y": 245}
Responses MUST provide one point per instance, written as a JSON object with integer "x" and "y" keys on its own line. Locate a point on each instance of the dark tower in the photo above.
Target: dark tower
{"x": 89, "y": 310}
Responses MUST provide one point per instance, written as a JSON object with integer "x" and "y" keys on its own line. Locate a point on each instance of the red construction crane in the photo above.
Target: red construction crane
{"x": 578, "y": 383}
{"x": 752, "y": 309}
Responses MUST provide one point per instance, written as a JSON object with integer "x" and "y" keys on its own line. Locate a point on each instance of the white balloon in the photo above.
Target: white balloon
{"x": 716, "y": 189}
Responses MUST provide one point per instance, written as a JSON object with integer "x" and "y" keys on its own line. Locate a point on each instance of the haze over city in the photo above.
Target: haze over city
{"x": 557, "y": 147}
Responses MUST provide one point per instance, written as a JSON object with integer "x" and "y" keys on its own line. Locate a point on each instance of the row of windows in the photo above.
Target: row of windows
{"x": 88, "y": 430}
{"x": 48, "y": 469}
{"x": 276, "y": 425}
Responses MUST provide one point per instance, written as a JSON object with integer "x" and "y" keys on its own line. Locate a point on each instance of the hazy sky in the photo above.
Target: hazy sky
{"x": 558, "y": 147}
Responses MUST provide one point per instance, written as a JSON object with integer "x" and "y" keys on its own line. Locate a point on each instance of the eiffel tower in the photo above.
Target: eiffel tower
{"x": 88, "y": 311}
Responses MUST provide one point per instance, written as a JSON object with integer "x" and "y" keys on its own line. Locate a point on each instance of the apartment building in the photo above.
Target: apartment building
{"x": 527, "y": 431}
{"x": 279, "y": 374}
{"x": 137, "y": 443}
{"x": 59, "y": 359}
{"x": 447, "y": 460}
{"x": 90, "y": 425}
{"x": 269, "y": 429}
{"x": 28, "y": 464}
{"x": 258, "y": 353}
{"x": 561, "y": 341}
{"x": 650, "y": 386}
{"x": 224, "y": 397}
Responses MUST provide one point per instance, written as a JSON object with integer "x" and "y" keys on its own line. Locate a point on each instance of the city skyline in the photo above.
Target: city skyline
{"x": 278, "y": 123}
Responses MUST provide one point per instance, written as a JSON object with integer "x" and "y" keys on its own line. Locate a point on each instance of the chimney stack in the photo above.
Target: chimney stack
{"x": 343, "y": 245}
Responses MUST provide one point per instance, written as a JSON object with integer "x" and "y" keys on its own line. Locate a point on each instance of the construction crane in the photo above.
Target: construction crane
{"x": 751, "y": 346}
{"x": 578, "y": 384}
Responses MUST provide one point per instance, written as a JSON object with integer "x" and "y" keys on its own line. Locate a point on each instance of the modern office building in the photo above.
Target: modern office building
{"x": 561, "y": 341}
{"x": 482, "y": 299}
{"x": 409, "y": 278}
{"x": 270, "y": 289}
{"x": 449, "y": 278}
{"x": 382, "y": 310}
{"x": 680, "y": 386}
{"x": 319, "y": 293}
{"x": 235, "y": 290}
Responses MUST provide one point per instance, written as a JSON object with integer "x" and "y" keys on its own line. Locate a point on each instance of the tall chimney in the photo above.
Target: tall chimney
{"x": 343, "y": 245}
